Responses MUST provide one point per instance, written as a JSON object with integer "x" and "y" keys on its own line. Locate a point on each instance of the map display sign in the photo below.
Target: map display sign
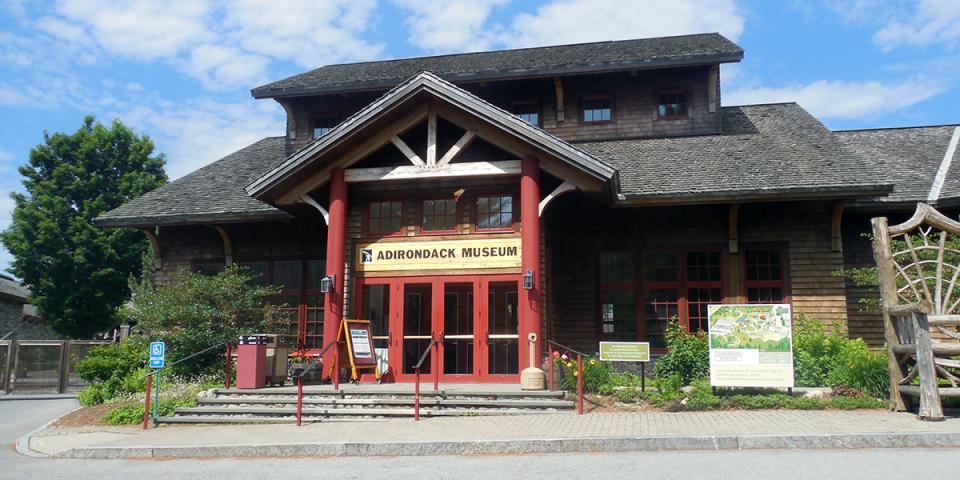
{"x": 361, "y": 343}
{"x": 751, "y": 346}
{"x": 625, "y": 351}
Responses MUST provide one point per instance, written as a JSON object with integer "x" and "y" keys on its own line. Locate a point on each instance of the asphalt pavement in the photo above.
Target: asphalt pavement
{"x": 21, "y": 417}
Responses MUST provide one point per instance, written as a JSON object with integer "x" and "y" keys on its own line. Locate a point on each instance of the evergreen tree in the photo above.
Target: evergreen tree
{"x": 77, "y": 271}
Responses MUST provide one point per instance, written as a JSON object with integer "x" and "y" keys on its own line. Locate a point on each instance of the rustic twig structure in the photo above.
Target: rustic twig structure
{"x": 918, "y": 263}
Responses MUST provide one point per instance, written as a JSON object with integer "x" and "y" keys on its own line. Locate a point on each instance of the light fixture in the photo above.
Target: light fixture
{"x": 326, "y": 283}
{"x": 528, "y": 280}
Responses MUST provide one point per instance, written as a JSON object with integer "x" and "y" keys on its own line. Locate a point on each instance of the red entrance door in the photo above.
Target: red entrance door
{"x": 477, "y": 341}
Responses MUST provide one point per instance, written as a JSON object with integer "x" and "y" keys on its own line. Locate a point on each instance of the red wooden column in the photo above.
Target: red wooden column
{"x": 336, "y": 244}
{"x": 530, "y": 256}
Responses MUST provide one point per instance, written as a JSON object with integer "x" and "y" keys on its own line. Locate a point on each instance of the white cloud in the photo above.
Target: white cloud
{"x": 933, "y": 21}
{"x": 841, "y": 99}
{"x": 449, "y": 26}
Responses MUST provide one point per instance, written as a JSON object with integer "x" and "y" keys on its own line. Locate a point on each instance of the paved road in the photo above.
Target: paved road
{"x": 20, "y": 417}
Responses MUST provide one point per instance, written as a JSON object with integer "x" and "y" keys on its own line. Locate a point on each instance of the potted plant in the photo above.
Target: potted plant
{"x": 300, "y": 360}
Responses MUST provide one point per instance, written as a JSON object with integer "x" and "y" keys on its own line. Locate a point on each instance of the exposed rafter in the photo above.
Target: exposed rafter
{"x": 560, "y": 190}
{"x": 227, "y": 245}
{"x": 153, "y": 237}
{"x": 431, "y": 138}
{"x": 407, "y": 151}
{"x": 407, "y": 172}
{"x": 313, "y": 203}
{"x": 468, "y": 137}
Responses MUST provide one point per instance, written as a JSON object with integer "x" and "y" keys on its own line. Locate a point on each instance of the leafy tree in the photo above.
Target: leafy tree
{"x": 197, "y": 311}
{"x": 77, "y": 271}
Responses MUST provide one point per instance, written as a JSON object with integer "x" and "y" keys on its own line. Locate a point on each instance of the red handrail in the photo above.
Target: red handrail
{"x": 416, "y": 371}
{"x": 226, "y": 366}
{"x": 335, "y": 374}
{"x": 580, "y": 356}
{"x": 299, "y": 400}
{"x": 146, "y": 403}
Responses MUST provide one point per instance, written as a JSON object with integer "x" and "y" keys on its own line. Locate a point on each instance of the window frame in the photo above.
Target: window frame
{"x": 538, "y": 109}
{"x": 333, "y": 119}
{"x": 302, "y": 296}
{"x": 421, "y": 215}
{"x": 632, "y": 287}
{"x": 672, "y": 91}
{"x": 513, "y": 213}
{"x": 784, "y": 281}
{"x": 368, "y": 216}
{"x": 592, "y": 98}
{"x": 708, "y": 284}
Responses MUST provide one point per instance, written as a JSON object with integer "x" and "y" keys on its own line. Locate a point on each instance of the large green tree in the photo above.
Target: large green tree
{"x": 77, "y": 271}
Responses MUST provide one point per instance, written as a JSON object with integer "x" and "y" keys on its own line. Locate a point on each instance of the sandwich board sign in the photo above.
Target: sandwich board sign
{"x": 158, "y": 351}
{"x": 751, "y": 345}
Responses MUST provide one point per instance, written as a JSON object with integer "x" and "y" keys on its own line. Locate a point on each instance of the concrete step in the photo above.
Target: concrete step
{"x": 380, "y": 392}
{"x": 260, "y": 412}
{"x": 379, "y": 402}
{"x": 233, "y": 419}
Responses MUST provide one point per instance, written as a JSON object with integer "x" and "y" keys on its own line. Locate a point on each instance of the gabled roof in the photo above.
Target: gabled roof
{"x": 11, "y": 289}
{"x": 439, "y": 90}
{"x": 212, "y": 193}
{"x": 776, "y": 151}
{"x": 700, "y": 49}
{"x": 911, "y": 158}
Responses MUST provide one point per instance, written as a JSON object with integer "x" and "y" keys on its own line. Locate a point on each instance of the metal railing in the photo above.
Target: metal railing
{"x": 416, "y": 370}
{"x": 580, "y": 356}
{"x": 334, "y": 376}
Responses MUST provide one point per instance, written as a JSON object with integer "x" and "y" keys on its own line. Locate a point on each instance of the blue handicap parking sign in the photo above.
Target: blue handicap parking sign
{"x": 157, "y": 352}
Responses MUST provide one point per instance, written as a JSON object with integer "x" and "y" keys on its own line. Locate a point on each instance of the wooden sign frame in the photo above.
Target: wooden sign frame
{"x": 347, "y": 345}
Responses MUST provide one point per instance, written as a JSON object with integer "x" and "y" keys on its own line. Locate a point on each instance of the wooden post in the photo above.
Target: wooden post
{"x": 336, "y": 245}
{"x": 888, "y": 294}
{"x": 64, "y": 366}
{"x": 930, "y": 407}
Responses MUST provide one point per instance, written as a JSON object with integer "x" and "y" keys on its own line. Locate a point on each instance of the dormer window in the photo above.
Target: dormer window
{"x": 323, "y": 125}
{"x": 597, "y": 110}
{"x": 672, "y": 105}
{"x": 528, "y": 112}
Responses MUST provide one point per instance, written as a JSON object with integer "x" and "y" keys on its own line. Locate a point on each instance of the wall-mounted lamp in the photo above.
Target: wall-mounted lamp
{"x": 326, "y": 283}
{"x": 528, "y": 280}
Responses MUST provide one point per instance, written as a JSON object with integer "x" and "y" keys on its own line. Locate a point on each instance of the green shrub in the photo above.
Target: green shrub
{"x": 91, "y": 395}
{"x": 114, "y": 371}
{"x": 596, "y": 374}
{"x": 132, "y": 413}
{"x": 830, "y": 359}
{"x": 689, "y": 355}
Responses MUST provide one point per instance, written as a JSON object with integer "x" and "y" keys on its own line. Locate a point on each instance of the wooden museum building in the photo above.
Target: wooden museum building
{"x": 579, "y": 193}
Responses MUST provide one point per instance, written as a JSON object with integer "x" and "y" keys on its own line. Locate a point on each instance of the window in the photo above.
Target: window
{"x": 672, "y": 105}
{"x": 299, "y": 303}
{"x": 617, "y": 296}
{"x": 495, "y": 212}
{"x": 439, "y": 215}
{"x": 661, "y": 298}
{"x": 528, "y": 112}
{"x": 597, "y": 110}
{"x": 765, "y": 281}
{"x": 704, "y": 286}
{"x": 385, "y": 218}
{"x": 323, "y": 125}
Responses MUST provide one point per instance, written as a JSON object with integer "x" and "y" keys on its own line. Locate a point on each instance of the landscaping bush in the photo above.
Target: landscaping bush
{"x": 689, "y": 355}
{"x": 699, "y": 396}
{"x": 831, "y": 360}
{"x": 596, "y": 374}
{"x": 132, "y": 413}
{"x": 113, "y": 371}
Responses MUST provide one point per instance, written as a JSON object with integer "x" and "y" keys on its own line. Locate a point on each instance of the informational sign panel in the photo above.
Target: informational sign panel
{"x": 360, "y": 342}
{"x": 480, "y": 253}
{"x": 158, "y": 351}
{"x": 751, "y": 346}
{"x": 625, "y": 351}
{"x": 360, "y": 339}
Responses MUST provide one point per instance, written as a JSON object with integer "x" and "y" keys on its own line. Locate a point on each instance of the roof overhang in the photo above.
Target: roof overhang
{"x": 404, "y": 107}
{"x": 824, "y": 192}
{"x": 191, "y": 219}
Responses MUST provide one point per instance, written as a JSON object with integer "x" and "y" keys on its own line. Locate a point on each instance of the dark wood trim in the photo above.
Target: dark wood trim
{"x": 667, "y": 91}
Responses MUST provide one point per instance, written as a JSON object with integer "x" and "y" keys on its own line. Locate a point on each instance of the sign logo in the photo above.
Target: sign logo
{"x": 157, "y": 352}
{"x": 366, "y": 255}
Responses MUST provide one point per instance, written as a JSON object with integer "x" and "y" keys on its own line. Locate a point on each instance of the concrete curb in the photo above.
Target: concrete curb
{"x": 53, "y": 396}
{"x": 519, "y": 446}
{"x": 23, "y": 443}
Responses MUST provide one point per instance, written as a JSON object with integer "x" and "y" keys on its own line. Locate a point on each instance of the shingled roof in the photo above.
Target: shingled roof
{"x": 764, "y": 151}
{"x": 506, "y": 64}
{"x": 212, "y": 193}
{"x": 910, "y": 158}
{"x": 13, "y": 290}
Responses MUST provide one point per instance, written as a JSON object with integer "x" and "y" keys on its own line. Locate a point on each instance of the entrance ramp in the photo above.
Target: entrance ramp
{"x": 366, "y": 403}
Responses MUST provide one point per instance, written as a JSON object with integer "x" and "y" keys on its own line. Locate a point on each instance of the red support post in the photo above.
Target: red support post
{"x": 299, "y": 400}
{"x": 226, "y": 366}
{"x": 146, "y": 403}
{"x": 336, "y": 245}
{"x": 579, "y": 384}
{"x": 529, "y": 307}
{"x": 416, "y": 396}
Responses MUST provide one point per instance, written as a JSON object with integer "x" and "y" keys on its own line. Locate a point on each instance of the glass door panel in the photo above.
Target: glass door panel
{"x": 458, "y": 339}
{"x": 376, "y": 308}
{"x": 417, "y": 324}
{"x": 502, "y": 328}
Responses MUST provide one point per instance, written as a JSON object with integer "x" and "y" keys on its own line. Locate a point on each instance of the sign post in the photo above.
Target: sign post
{"x": 751, "y": 346}
{"x": 628, "y": 352}
{"x": 158, "y": 352}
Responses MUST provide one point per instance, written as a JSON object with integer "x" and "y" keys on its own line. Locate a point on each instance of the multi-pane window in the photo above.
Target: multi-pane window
{"x": 528, "y": 112}
{"x": 495, "y": 212}
{"x": 439, "y": 215}
{"x": 704, "y": 286}
{"x": 661, "y": 298}
{"x": 299, "y": 301}
{"x": 765, "y": 281}
{"x": 672, "y": 105}
{"x": 385, "y": 217}
{"x": 323, "y": 125}
{"x": 597, "y": 109}
{"x": 618, "y": 296}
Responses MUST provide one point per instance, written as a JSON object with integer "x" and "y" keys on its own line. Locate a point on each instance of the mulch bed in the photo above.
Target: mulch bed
{"x": 87, "y": 416}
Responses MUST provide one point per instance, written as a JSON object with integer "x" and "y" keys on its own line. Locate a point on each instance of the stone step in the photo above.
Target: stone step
{"x": 378, "y": 402}
{"x": 345, "y": 412}
{"x": 231, "y": 419}
{"x": 387, "y": 392}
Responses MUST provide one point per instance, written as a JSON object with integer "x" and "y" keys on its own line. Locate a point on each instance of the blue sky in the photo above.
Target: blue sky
{"x": 181, "y": 70}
